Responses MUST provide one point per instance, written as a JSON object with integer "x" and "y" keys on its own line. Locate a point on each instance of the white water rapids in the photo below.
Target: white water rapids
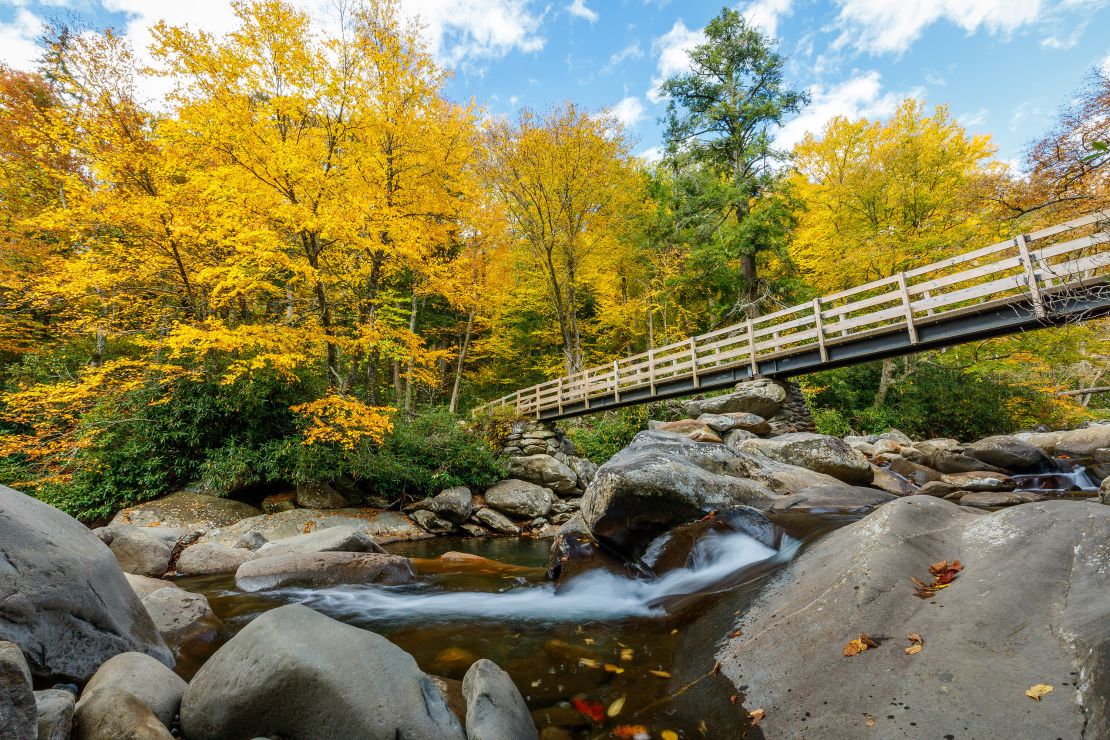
{"x": 596, "y": 595}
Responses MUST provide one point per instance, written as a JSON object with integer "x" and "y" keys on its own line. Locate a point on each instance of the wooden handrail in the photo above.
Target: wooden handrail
{"x": 1016, "y": 274}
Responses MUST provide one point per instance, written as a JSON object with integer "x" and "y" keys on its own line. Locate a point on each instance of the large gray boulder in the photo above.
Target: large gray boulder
{"x": 1031, "y": 606}
{"x": 145, "y": 585}
{"x": 322, "y": 569}
{"x": 454, "y": 504}
{"x": 341, "y": 538}
{"x": 496, "y": 521}
{"x": 382, "y": 526}
{"x": 840, "y": 498}
{"x": 55, "y": 714}
{"x": 1073, "y": 443}
{"x": 319, "y": 496}
{"x": 66, "y": 602}
{"x": 819, "y": 452}
{"x": 183, "y": 618}
{"x": 187, "y": 511}
{"x": 1009, "y": 453}
{"x": 545, "y": 471}
{"x": 495, "y": 710}
{"x": 661, "y": 480}
{"x": 520, "y": 498}
{"x": 211, "y": 558}
{"x": 18, "y": 716}
{"x": 141, "y": 550}
{"x": 156, "y": 686}
{"x": 294, "y": 672}
{"x": 762, "y": 397}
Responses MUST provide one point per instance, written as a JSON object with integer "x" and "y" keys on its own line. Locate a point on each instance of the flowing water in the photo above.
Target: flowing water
{"x": 596, "y": 638}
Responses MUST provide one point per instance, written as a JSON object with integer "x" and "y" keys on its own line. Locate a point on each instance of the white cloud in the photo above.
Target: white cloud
{"x": 885, "y": 26}
{"x": 18, "y": 47}
{"x": 629, "y": 111}
{"x": 466, "y": 32}
{"x": 857, "y": 97}
{"x": 672, "y": 49}
{"x": 651, "y": 155}
{"x": 1070, "y": 41}
{"x": 972, "y": 120}
{"x": 764, "y": 14}
{"x": 632, "y": 51}
{"x": 578, "y": 8}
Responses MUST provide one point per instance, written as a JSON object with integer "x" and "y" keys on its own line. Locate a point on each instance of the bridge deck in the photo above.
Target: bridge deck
{"x": 997, "y": 290}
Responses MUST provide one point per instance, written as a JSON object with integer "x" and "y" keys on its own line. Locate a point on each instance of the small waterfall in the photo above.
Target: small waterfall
{"x": 1070, "y": 476}
{"x": 596, "y": 595}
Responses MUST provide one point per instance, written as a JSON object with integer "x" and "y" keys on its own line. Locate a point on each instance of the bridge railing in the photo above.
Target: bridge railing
{"x": 1066, "y": 256}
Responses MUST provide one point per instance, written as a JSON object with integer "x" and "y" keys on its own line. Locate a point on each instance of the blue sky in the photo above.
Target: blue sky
{"x": 1003, "y": 66}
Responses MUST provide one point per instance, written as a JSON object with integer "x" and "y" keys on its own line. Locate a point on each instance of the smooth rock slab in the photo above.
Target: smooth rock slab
{"x": 66, "y": 602}
{"x": 18, "y": 716}
{"x": 156, "y": 686}
{"x": 999, "y": 498}
{"x": 1032, "y": 605}
{"x": 496, "y": 521}
{"x": 186, "y": 511}
{"x": 495, "y": 710}
{"x": 341, "y": 538}
{"x": 322, "y": 569}
{"x": 818, "y": 452}
{"x": 144, "y": 585}
{"x": 293, "y": 672}
{"x": 382, "y": 526}
{"x": 833, "y": 498}
{"x": 1009, "y": 453}
{"x": 118, "y": 715}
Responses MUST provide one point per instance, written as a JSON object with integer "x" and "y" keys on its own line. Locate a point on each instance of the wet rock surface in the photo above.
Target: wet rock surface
{"x": 1032, "y": 605}
{"x": 322, "y": 569}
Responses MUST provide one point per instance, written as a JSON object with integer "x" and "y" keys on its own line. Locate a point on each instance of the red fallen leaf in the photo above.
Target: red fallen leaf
{"x": 595, "y": 710}
{"x": 710, "y": 515}
{"x": 945, "y": 577}
{"x": 630, "y": 731}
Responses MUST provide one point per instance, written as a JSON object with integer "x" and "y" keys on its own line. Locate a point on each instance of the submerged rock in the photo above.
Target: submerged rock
{"x": 186, "y": 511}
{"x": 322, "y": 569}
{"x": 66, "y": 602}
{"x": 1032, "y": 605}
{"x": 294, "y": 672}
{"x": 495, "y": 710}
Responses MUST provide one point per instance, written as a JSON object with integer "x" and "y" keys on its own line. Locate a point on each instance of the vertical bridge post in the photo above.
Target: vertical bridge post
{"x": 616, "y": 381}
{"x": 694, "y": 361}
{"x": 751, "y": 349}
{"x": 909, "y": 307}
{"x": 1030, "y": 276}
{"x": 820, "y": 323}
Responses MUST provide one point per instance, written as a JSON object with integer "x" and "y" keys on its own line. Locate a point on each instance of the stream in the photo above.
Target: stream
{"x": 601, "y": 637}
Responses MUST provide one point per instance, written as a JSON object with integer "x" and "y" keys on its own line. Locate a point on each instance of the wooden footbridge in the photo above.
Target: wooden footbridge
{"x": 1050, "y": 277}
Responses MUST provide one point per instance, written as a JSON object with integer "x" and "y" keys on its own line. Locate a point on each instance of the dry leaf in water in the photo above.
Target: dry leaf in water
{"x": 668, "y": 735}
{"x": 756, "y": 716}
{"x": 616, "y": 707}
{"x": 613, "y": 668}
{"x": 716, "y": 668}
{"x": 660, "y": 674}
{"x": 632, "y": 732}
{"x": 589, "y": 662}
{"x": 592, "y": 709}
{"x": 626, "y": 654}
{"x": 1038, "y": 690}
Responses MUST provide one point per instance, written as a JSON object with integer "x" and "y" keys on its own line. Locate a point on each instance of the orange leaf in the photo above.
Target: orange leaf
{"x": 913, "y": 649}
{"x": 631, "y": 731}
{"x": 1038, "y": 690}
{"x": 756, "y": 716}
{"x": 660, "y": 674}
{"x": 592, "y": 709}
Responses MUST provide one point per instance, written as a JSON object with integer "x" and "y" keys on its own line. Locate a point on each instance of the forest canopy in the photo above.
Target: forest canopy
{"x": 300, "y": 262}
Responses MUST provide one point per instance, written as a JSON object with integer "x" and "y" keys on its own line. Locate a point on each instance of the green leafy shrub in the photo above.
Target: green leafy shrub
{"x": 603, "y": 435}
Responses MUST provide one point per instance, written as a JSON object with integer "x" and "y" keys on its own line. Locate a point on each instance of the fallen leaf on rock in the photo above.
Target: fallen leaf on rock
{"x": 710, "y": 515}
{"x": 1038, "y": 690}
{"x": 592, "y": 709}
{"x": 914, "y": 637}
{"x": 735, "y": 633}
{"x": 716, "y": 668}
{"x": 913, "y": 649}
{"x": 668, "y": 735}
{"x": 660, "y": 674}
{"x": 916, "y": 643}
{"x": 616, "y": 707}
{"x": 943, "y": 572}
{"x": 756, "y": 716}
{"x": 857, "y": 646}
{"x": 634, "y": 732}
{"x": 870, "y": 721}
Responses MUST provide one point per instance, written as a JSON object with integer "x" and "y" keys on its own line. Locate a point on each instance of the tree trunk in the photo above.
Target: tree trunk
{"x": 409, "y": 363}
{"x": 885, "y": 379}
{"x": 751, "y": 285}
{"x": 462, "y": 358}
